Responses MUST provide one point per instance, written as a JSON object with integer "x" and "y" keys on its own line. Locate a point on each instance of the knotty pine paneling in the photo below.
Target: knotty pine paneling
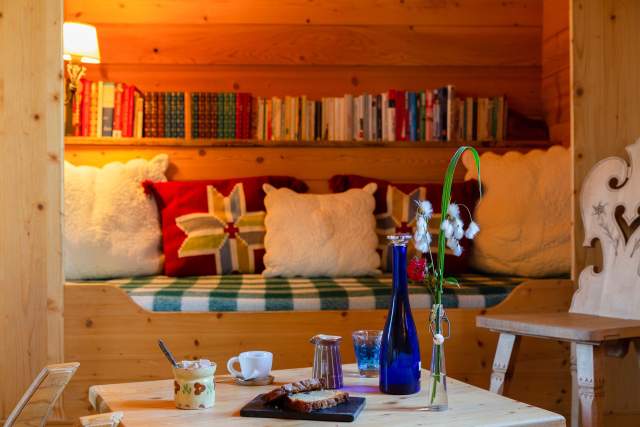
{"x": 237, "y": 44}
{"x": 520, "y": 13}
{"x": 521, "y": 85}
{"x": 606, "y": 66}
{"x": 555, "y": 84}
{"x": 31, "y": 283}
{"x": 321, "y": 48}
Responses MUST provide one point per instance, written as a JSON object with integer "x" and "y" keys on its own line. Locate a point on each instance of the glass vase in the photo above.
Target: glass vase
{"x": 399, "y": 348}
{"x": 437, "y": 399}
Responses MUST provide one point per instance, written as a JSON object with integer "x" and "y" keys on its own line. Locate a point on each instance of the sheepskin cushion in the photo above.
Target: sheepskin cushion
{"x": 525, "y": 213}
{"x": 111, "y": 226}
{"x": 320, "y": 234}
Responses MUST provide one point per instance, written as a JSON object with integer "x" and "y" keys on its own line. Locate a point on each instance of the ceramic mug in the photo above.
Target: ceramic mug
{"x": 194, "y": 386}
{"x": 253, "y": 364}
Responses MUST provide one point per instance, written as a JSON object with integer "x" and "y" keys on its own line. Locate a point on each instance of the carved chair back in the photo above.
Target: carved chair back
{"x": 610, "y": 208}
{"x": 36, "y": 404}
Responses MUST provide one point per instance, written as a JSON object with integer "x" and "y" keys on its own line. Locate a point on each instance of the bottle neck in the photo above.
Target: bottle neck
{"x": 399, "y": 268}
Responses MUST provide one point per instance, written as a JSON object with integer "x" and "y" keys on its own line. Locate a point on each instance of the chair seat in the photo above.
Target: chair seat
{"x": 562, "y": 326}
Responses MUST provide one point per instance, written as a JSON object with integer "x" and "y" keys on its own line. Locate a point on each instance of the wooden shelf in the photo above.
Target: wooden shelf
{"x": 242, "y": 143}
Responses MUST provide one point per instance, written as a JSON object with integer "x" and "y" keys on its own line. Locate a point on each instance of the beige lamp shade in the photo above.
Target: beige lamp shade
{"x": 81, "y": 42}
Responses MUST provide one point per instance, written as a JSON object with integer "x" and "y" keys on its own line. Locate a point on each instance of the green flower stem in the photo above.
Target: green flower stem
{"x": 439, "y": 270}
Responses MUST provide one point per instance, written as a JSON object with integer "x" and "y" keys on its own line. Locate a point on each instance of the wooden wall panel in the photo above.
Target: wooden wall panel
{"x": 556, "y": 72}
{"x": 238, "y": 44}
{"x": 519, "y": 13}
{"x": 313, "y": 165}
{"x": 520, "y": 84}
{"x": 606, "y": 118}
{"x": 30, "y": 193}
{"x": 321, "y": 48}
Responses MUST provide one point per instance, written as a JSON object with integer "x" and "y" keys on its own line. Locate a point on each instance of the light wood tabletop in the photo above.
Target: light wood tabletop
{"x": 151, "y": 403}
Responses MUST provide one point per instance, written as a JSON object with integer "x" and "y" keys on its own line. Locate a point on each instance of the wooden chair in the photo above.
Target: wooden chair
{"x": 36, "y": 404}
{"x": 605, "y": 311}
{"x": 109, "y": 419}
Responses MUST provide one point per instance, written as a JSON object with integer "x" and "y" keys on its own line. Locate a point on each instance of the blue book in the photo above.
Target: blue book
{"x": 194, "y": 114}
{"x": 411, "y": 106}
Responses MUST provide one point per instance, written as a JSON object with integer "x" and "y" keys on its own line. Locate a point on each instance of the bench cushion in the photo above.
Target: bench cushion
{"x": 252, "y": 292}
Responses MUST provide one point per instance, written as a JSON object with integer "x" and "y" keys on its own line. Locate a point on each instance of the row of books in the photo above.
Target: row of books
{"x": 431, "y": 115}
{"x": 164, "y": 114}
{"x": 106, "y": 109}
{"x": 221, "y": 115}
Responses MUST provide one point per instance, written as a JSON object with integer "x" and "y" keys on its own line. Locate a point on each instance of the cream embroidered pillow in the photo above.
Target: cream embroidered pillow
{"x": 320, "y": 234}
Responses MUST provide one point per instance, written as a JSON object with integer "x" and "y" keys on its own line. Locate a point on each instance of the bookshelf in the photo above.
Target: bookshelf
{"x": 244, "y": 143}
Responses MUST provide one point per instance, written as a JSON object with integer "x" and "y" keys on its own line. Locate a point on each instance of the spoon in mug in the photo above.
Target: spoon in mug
{"x": 167, "y": 353}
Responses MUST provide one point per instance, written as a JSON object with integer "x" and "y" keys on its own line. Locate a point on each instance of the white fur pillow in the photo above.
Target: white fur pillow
{"x": 525, "y": 213}
{"x": 111, "y": 226}
{"x": 320, "y": 234}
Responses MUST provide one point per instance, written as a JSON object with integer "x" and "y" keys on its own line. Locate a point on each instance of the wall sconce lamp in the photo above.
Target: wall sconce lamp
{"x": 80, "y": 47}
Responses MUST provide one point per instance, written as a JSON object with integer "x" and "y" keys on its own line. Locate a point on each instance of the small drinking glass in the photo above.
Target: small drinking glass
{"x": 366, "y": 346}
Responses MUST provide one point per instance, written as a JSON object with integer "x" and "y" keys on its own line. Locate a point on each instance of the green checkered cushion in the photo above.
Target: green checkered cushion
{"x": 252, "y": 292}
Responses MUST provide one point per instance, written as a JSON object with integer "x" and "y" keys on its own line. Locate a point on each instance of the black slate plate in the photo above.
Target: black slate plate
{"x": 345, "y": 412}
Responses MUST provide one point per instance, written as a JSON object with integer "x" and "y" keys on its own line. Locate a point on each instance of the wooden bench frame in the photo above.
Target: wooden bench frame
{"x": 115, "y": 340}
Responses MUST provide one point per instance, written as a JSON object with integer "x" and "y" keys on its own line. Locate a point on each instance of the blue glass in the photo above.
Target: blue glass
{"x": 366, "y": 346}
{"x": 399, "y": 349}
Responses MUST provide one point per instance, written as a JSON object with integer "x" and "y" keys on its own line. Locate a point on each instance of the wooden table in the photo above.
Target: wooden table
{"x": 151, "y": 403}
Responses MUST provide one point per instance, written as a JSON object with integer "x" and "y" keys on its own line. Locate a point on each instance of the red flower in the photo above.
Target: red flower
{"x": 416, "y": 269}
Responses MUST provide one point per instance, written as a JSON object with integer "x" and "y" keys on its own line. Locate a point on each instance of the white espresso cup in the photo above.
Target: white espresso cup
{"x": 253, "y": 364}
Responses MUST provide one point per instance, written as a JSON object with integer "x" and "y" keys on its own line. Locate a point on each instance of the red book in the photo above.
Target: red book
{"x": 86, "y": 108}
{"x": 132, "y": 110}
{"x": 246, "y": 122}
{"x": 125, "y": 110}
{"x": 239, "y": 107}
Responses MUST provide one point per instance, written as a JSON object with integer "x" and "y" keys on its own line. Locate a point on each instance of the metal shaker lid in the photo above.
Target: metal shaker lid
{"x": 326, "y": 339}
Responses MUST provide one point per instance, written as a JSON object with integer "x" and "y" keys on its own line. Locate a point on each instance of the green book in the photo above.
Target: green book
{"x": 221, "y": 122}
{"x": 231, "y": 116}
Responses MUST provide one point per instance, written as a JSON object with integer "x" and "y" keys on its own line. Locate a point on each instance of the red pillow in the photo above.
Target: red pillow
{"x": 400, "y": 218}
{"x": 214, "y": 226}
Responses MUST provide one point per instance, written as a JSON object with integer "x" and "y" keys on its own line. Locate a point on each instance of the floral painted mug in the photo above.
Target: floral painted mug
{"x": 194, "y": 384}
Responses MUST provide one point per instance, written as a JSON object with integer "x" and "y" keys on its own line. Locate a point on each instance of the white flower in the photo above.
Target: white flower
{"x": 447, "y": 228}
{"x": 454, "y": 245}
{"x": 426, "y": 208}
{"x": 458, "y": 229}
{"x": 421, "y": 224}
{"x": 457, "y": 251}
{"x": 454, "y": 210}
{"x": 422, "y": 245}
{"x": 472, "y": 230}
{"x": 438, "y": 339}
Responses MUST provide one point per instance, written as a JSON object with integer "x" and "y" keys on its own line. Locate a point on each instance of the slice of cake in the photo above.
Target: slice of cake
{"x": 305, "y": 396}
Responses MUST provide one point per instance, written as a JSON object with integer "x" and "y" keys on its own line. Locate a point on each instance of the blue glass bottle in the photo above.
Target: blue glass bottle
{"x": 399, "y": 350}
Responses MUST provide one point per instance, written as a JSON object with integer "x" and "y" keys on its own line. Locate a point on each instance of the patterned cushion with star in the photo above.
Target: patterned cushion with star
{"x": 215, "y": 227}
{"x": 396, "y": 209}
